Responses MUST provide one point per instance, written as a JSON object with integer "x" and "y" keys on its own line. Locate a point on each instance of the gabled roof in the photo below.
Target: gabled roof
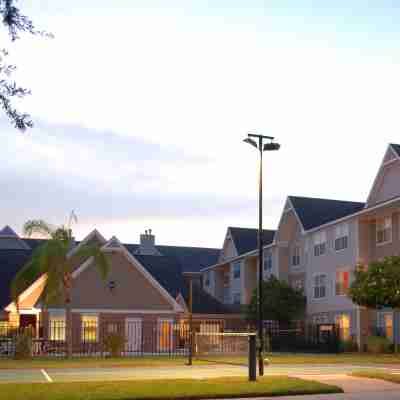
{"x": 245, "y": 239}
{"x": 192, "y": 259}
{"x": 396, "y": 148}
{"x": 314, "y": 212}
{"x": 168, "y": 271}
{"x": 7, "y": 231}
{"x": 11, "y": 261}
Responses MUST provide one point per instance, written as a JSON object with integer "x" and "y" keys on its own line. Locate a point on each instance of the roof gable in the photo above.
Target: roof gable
{"x": 314, "y": 212}
{"x": 396, "y": 148}
{"x": 246, "y": 239}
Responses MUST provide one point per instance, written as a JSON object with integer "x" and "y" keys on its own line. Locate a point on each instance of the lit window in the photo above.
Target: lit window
{"x": 343, "y": 322}
{"x": 388, "y": 318}
{"x": 296, "y": 256}
{"x": 268, "y": 261}
{"x": 319, "y": 286}
{"x": 57, "y": 328}
{"x": 342, "y": 282}
{"x": 341, "y": 237}
{"x": 236, "y": 298}
{"x": 319, "y": 243}
{"x": 236, "y": 270}
{"x": 4, "y": 328}
{"x": 89, "y": 328}
{"x": 384, "y": 230}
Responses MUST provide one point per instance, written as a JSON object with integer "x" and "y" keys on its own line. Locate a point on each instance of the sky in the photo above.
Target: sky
{"x": 140, "y": 109}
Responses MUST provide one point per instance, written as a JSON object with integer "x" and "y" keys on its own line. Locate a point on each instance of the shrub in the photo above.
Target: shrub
{"x": 114, "y": 344}
{"x": 378, "y": 344}
{"x": 23, "y": 345}
{"x": 348, "y": 346}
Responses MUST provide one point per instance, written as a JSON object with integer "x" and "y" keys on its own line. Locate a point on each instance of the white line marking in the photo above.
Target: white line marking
{"x": 46, "y": 375}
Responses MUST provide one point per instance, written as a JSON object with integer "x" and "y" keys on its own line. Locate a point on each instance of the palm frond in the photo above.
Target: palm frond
{"x": 38, "y": 226}
{"x": 100, "y": 259}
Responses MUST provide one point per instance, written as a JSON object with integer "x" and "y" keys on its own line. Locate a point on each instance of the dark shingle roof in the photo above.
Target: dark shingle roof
{"x": 11, "y": 261}
{"x": 7, "y": 231}
{"x": 245, "y": 239}
{"x": 315, "y": 212}
{"x": 167, "y": 271}
{"x": 396, "y": 148}
{"x": 192, "y": 259}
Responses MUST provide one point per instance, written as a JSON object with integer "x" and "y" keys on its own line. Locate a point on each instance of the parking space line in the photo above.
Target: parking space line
{"x": 46, "y": 375}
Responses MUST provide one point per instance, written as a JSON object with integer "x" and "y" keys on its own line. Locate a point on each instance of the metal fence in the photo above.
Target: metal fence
{"x": 93, "y": 338}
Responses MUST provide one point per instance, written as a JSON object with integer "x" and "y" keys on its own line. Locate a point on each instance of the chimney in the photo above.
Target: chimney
{"x": 147, "y": 244}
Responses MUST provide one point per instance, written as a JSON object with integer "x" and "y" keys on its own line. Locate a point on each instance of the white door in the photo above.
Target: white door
{"x": 133, "y": 335}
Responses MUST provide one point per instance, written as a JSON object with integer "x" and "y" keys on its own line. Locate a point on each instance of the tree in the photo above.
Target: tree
{"x": 378, "y": 285}
{"x": 15, "y": 23}
{"x": 281, "y": 302}
{"x": 53, "y": 260}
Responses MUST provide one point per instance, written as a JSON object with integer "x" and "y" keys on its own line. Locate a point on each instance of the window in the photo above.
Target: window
{"x": 236, "y": 298}
{"x": 89, "y": 328}
{"x": 319, "y": 286}
{"x": 268, "y": 261}
{"x": 298, "y": 284}
{"x": 4, "y": 328}
{"x": 236, "y": 270}
{"x": 343, "y": 322}
{"x": 296, "y": 256}
{"x": 57, "y": 328}
{"x": 388, "y": 318}
{"x": 384, "y": 230}
{"x": 319, "y": 243}
{"x": 341, "y": 237}
{"x": 207, "y": 278}
{"x": 342, "y": 282}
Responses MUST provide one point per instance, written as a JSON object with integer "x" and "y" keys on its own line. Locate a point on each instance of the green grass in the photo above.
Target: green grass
{"x": 159, "y": 361}
{"x": 165, "y": 389}
{"x": 378, "y": 375}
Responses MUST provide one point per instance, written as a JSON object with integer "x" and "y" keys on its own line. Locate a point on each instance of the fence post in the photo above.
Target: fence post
{"x": 252, "y": 358}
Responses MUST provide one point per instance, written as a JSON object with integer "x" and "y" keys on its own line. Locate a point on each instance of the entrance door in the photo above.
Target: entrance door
{"x": 133, "y": 335}
{"x": 165, "y": 335}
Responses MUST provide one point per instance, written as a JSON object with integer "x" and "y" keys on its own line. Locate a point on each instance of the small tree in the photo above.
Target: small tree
{"x": 53, "y": 260}
{"x": 378, "y": 285}
{"x": 281, "y": 302}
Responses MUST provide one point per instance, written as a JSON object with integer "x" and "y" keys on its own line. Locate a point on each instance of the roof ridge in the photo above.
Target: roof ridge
{"x": 325, "y": 199}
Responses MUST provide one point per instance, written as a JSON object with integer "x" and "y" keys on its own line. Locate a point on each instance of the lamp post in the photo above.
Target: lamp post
{"x": 261, "y": 147}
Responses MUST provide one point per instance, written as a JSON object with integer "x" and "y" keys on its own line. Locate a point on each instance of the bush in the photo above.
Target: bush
{"x": 114, "y": 344}
{"x": 348, "y": 346}
{"x": 23, "y": 345}
{"x": 378, "y": 344}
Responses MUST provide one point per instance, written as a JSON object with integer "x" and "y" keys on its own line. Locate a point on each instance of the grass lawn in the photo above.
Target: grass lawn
{"x": 378, "y": 375}
{"x": 165, "y": 389}
{"x": 158, "y": 361}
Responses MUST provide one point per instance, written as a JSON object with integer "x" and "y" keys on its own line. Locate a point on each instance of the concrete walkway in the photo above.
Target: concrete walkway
{"x": 355, "y": 388}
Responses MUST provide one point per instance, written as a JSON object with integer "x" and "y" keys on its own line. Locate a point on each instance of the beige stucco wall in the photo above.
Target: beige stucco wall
{"x": 132, "y": 288}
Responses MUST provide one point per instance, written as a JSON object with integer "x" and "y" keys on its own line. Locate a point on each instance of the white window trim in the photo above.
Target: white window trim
{"x": 91, "y": 314}
{"x": 313, "y": 286}
{"x": 391, "y": 231}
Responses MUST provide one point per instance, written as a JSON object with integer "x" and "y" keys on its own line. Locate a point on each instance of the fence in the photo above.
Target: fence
{"x": 93, "y": 337}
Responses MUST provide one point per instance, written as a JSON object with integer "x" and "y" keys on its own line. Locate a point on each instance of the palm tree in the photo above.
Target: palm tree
{"x": 53, "y": 260}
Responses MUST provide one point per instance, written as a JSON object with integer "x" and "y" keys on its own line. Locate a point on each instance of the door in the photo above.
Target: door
{"x": 165, "y": 335}
{"x": 133, "y": 335}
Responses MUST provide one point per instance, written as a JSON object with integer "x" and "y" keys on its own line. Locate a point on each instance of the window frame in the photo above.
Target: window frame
{"x": 268, "y": 257}
{"x": 319, "y": 243}
{"x": 341, "y": 237}
{"x": 236, "y": 296}
{"x": 344, "y": 291}
{"x": 319, "y": 286}
{"x": 296, "y": 256}
{"x": 382, "y": 221}
{"x": 54, "y": 331}
{"x": 84, "y": 331}
{"x": 236, "y": 270}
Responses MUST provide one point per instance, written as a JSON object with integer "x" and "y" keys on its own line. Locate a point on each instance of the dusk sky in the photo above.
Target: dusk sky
{"x": 140, "y": 108}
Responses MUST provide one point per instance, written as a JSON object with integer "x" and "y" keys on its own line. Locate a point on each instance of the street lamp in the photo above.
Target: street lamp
{"x": 261, "y": 147}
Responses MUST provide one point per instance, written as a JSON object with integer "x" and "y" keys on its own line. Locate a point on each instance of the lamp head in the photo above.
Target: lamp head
{"x": 271, "y": 146}
{"x": 251, "y": 141}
